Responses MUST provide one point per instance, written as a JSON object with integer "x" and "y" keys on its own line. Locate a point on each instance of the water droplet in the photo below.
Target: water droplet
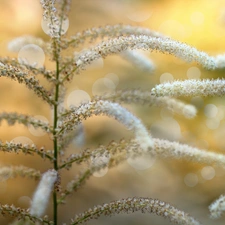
{"x": 113, "y": 77}
{"x": 24, "y": 201}
{"x": 165, "y": 77}
{"x": 193, "y": 73}
{"x": 210, "y": 110}
{"x": 208, "y": 172}
{"x": 31, "y": 55}
{"x": 191, "y": 179}
{"x": 142, "y": 162}
{"x": 38, "y": 131}
{"x": 102, "y": 86}
{"x": 45, "y": 27}
{"x": 77, "y": 97}
{"x": 22, "y": 140}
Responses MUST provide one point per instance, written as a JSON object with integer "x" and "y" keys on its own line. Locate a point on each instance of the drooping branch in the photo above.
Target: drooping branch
{"x": 8, "y": 172}
{"x": 191, "y": 87}
{"x": 26, "y": 120}
{"x": 48, "y": 74}
{"x": 12, "y": 147}
{"x": 23, "y": 77}
{"x": 163, "y": 45}
{"x": 146, "y": 98}
{"x": 131, "y": 205}
{"x": 107, "y": 31}
{"x": 75, "y": 116}
{"x": 22, "y": 214}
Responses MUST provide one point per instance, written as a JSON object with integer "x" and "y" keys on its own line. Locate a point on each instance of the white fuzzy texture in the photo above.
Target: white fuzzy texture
{"x": 133, "y": 42}
{"x": 217, "y": 207}
{"x": 220, "y": 61}
{"x": 139, "y": 60}
{"x": 191, "y": 87}
{"x": 128, "y": 119}
{"x": 41, "y": 196}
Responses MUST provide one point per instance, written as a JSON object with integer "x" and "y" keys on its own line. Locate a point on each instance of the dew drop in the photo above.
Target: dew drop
{"x": 38, "y": 131}
{"x": 45, "y": 27}
{"x": 210, "y": 110}
{"x": 113, "y": 77}
{"x": 208, "y": 172}
{"x": 24, "y": 201}
{"x": 22, "y": 140}
{"x": 77, "y": 98}
{"x": 166, "y": 77}
{"x": 32, "y": 55}
{"x": 193, "y": 73}
{"x": 191, "y": 179}
{"x": 102, "y": 86}
{"x": 142, "y": 162}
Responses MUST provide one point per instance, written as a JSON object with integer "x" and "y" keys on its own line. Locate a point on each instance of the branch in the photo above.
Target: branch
{"x": 26, "y": 149}
{"x": 146, "y": 98}
{"x": 26, "y": 120}
{"x": 8, "y": 172}
{"x": 191, "y": 87}
{"x": 75, "y": 116}
{"x": 22, "y": 76}
{"x": 169, "y": 46}
{"x": 131, "y": 205}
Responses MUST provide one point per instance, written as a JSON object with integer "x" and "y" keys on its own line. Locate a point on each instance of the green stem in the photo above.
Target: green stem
{"x": 55, "y": 140}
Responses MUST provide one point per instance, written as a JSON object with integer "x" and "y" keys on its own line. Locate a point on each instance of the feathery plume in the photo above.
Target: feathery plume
{"x": 70, "y": 119}
{"x": 139, "y": 60}
{"x": 107, "y": 31}
{"x": 191, "y": 87}
{"x": 8, "y": 172}
{"x": 42, "y": 194}
{"x": 217, "y": 207}
{"x": 146, "y": 98}
{"x": 131, "y": 205}
{"x": 120, "y": 44}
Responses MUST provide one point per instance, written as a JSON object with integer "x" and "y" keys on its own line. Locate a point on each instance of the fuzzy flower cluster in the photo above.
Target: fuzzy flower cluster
{"x": 163, "y": 45}
{"x": 42, "y": 194}
{"x": 23, "y": 215}
{"x": 8, "y": 172}
{"x": 26, "y": 149}
{"x": 130, "y": 205}
{"x": 50, "y": 16}
{"x": 114, "y": 110}
{"x": 191, "y": 87}
{"x": 23, "y": 77}
{"x": 12, "y": 118}
{"x": 139, "y": 60}
{"x": 107, "y": 31}
{"x": 217, "y": 207}
{"x": 146, "y": 98}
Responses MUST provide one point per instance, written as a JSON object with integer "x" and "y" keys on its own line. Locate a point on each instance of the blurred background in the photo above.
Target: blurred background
{"x": 186, "y": 185}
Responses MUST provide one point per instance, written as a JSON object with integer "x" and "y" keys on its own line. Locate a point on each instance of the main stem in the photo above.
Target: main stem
{"x": 55, "y": 211}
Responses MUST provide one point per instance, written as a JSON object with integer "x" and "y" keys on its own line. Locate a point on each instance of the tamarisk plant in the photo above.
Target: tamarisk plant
{"x": 118, "y": 39}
